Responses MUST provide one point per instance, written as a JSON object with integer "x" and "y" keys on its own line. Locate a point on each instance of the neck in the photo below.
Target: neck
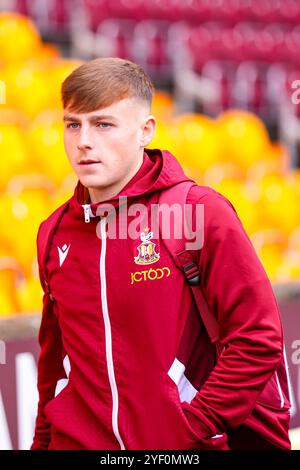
{"x": 104, "y": 194}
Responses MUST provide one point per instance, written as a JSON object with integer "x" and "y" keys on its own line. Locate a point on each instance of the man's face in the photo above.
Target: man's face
{"x": 105, "y": 147}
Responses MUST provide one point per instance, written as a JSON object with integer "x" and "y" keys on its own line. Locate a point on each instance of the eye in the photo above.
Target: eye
{"x": 72, "y": 124}
{"x": 103, "y": 125}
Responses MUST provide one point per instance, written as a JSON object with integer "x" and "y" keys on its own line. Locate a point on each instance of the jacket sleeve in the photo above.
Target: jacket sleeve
{"x": 50, "y": 369}
{"x": 239, "y": 291}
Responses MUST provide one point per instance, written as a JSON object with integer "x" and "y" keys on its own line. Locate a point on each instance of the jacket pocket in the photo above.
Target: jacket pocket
{"x": 56, "y": 400}
{"x": 274, "y": 395}
{"x": 217, "y": 442}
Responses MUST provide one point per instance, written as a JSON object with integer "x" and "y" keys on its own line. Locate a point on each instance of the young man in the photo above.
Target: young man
{"x": 126, "y": 362}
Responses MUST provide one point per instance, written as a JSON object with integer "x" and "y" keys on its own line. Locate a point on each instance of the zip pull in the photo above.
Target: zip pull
{"x": 86, "y": 208}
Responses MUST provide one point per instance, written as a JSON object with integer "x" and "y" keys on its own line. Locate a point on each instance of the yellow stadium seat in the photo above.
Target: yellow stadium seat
{"x": 243, "y": 201}
{"x": 47, "y": 51}
{"x": 275, "y": 162}
{"x": 28, "y": 88}
{"x": 166, "y": 137}
{"x": 218, "y": 172}
{"x": 294, "y": 239}
{"x": 23, "y": 214}
{"x": 38, "y": 183}
{"x": 19, "y": 38}
{"x": 289, "y": 269}
{"x": 29, "y": 295}
{"x": 270, "y": 245}
{"x": 243, "y": 136}
{"x": 9, "y": 273}
{"x": 13, "y": 151}
{"x": 60, "y": 69}
{"x": 279, "y": 204}
{"x": 199, "y": 145}
{"x": 45, "y": 139}
{"x": 163, "y": 106}
{"x": 64, "y": 191}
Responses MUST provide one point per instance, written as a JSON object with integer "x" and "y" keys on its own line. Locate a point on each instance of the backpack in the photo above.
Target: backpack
{"x": 186, "y": 261}
{"x": 250, "y": 433}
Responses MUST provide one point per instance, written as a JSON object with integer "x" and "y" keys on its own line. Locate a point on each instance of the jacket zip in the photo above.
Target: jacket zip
{"x": 86, "y": 209}
{"x": 108, "y": 338}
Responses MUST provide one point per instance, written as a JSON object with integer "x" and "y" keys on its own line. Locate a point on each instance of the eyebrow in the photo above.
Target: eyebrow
{"x": 92, "y": 119}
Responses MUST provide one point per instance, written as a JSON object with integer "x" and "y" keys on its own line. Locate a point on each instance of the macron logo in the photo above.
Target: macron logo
{"x": 62, "y": 252}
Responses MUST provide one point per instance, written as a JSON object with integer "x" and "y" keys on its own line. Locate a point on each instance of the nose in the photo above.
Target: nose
{"x": 84, "y": 139}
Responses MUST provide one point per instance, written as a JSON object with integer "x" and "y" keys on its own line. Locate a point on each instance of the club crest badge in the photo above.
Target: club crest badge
{"x": 146, "y": 250}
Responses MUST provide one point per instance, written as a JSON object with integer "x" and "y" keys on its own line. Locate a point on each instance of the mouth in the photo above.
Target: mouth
{"x": 88, "y": 162}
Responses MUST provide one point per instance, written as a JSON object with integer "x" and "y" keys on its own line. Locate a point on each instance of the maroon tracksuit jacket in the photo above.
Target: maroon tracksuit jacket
{"x": 125, "y": 361}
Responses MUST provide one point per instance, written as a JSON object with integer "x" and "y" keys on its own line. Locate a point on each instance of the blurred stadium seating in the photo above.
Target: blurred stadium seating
{"x": 228, "y": 109}
{"x": 233, "y": 55}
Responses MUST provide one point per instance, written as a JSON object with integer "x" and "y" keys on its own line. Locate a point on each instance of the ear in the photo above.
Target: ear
{"x": 148, "y": 130}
